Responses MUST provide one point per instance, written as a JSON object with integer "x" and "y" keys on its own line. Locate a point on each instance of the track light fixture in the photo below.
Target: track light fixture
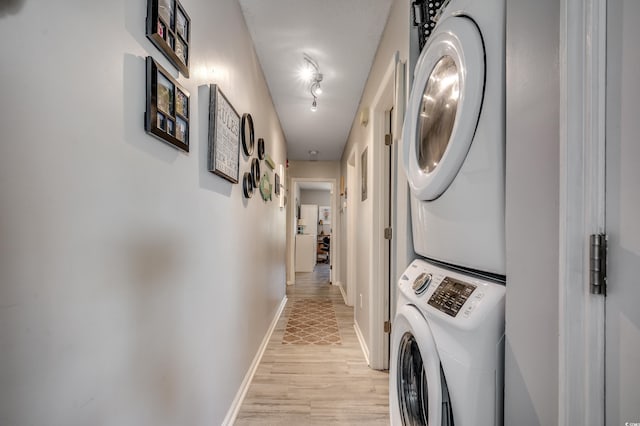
{"x": 312, "y": 74}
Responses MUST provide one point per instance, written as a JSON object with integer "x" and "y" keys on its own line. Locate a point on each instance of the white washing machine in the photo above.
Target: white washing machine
{"x": 454, "y": 139}
{"x": 447, "y": 349}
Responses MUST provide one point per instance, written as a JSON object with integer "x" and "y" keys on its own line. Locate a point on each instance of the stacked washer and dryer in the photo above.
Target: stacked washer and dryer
{"x": 447, "y": 343}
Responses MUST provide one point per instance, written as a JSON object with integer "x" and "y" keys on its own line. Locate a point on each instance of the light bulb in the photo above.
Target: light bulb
{"x": 306, "y": 73}
{"x": 316, "y": 89}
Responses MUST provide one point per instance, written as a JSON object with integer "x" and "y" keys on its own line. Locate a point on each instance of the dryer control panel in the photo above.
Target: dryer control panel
{"x": 450, "y": 295}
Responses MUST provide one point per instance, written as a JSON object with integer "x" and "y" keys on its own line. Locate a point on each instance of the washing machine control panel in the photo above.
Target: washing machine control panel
{"x": 450, "y": 295}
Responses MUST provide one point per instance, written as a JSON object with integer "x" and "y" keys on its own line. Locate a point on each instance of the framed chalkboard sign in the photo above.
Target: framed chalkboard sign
{"x": 169, "y": 29}
{"x": 167, "y": 115}
{"x": 224, "y": 136}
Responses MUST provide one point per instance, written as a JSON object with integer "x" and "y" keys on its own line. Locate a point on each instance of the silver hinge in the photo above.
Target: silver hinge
{"x": 387, "y": 326}
{"x": 388, "y": 233}
{"x": 388, "y": 140}
{"x": 598, "y": 264}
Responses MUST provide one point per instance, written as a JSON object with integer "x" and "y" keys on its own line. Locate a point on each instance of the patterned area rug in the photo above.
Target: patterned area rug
{"x": 312, "y": 322}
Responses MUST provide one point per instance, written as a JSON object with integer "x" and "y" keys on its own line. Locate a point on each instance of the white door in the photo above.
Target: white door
{"x": 416, "y": 394}
{"x": 622, "y": 304}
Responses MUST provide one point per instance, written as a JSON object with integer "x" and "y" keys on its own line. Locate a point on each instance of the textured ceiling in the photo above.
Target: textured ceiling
{"x": 342, "y": 37}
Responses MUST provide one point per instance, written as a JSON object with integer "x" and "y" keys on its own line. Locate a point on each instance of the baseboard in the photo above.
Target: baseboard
{"x": 244, "y": 387}
{"x": 363, "y": 345}
{"x": 344, "y": 293}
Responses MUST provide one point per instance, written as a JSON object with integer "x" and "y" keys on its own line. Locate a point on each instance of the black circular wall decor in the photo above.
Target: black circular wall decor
{"x": 248, "y": 138}
{"x": 255, "y": 172}
{"x": 247, "y": 185}
{"x": 261, "y": 148}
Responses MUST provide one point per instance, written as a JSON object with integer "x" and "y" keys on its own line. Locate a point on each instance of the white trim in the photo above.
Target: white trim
{"x": 342, "y": 291}
{"x": 379, "y": 270}
{"x": 582, "y": 127}
{"x": 291, "y": 282}
{"x": 363, "y": 344}
{"x": 351, "y": 231}
{"x": 230, "y": 418}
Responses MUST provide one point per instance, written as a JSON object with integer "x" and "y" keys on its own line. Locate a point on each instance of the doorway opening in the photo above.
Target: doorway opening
{"x": 313, "y": 226}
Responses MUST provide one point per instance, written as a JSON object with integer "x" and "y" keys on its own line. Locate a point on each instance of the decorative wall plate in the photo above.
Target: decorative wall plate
{"x": 261, "y": 148}
{"x": 265, "y": 187}
{"x": 247, "y": 134}
{"x": 247, "y": 185}
{"x": 255, "y": 172}
{"x": 269, "y": 162}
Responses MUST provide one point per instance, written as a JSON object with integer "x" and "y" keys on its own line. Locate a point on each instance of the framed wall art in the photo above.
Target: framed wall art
{"x": 255, "y": 172}
{"x": 364, "y": 176}
{"x": 169, "y": 29}
{"x": 260, "y": 148}
{"x": 247, "y": 185}
{"x": 248, "y": 136}
{"x": 324, "y": 214}
{"x": 224, "y": 136}
{"x": 167, "y": 114}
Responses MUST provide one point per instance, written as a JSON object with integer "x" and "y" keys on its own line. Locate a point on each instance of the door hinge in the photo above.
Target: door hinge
{"x": 387, "y": 326}
{"x": 388, "y": 234}
{"x": 388, "y": 140}
{"x": 598, "y": 264}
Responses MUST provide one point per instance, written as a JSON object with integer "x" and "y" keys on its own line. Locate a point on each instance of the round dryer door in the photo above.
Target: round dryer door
{"x": 444, "y": 106}
{"x": 417, "y": 394}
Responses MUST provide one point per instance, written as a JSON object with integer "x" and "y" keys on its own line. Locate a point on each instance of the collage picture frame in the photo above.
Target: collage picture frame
{"x": 169, "y": 29}
{"x": 167, "y": 107}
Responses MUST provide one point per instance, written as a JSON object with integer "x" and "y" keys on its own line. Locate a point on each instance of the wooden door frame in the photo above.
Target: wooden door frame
{"x": 582, "y": 208}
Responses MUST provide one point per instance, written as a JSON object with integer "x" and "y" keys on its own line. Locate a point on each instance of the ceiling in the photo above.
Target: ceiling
{"x": 315, "y": 186}
{"x": 342, "y": 37}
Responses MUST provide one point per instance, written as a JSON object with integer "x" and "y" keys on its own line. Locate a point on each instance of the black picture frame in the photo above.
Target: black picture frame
{"x": 169, "y": 29}
{"x": 248, "y": 135}
{"x": 224, "y": 136}
{"x": 261, "y": 148}
{"x": 168, "y": 111}
{"x": 276, "y": 185}
{"x": 247, "y": 185}
{"x": 255, "y": 172}
{"x": 364, "y": 174}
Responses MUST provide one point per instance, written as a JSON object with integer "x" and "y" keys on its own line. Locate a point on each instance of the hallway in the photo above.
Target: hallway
{"x": 316, "y": 384}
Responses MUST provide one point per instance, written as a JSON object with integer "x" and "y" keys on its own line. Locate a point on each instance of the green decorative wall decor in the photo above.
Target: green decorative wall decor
{"x": 269, "y": 162}
{"x": 265, "y": 187}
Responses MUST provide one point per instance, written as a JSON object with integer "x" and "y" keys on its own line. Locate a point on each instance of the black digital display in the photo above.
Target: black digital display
{"x": 451, "y": 295}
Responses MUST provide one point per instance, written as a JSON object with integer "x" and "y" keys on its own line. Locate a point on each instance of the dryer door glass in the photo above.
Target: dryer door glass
{"x": 437, "y": 113}
{"x": 412, "y": 383}
{"x": 444, "y": 107}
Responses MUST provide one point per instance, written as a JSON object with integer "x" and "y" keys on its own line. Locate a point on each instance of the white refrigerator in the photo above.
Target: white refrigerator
{"x": 306, "y": 243}
{"x": 309, "y": 213}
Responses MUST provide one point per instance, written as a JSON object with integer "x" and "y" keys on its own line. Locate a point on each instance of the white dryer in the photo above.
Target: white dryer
{"x": 447, "y": 349}
{"x": 454, "y": 139}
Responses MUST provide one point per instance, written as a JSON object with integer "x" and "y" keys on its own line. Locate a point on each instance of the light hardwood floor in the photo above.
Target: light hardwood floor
{"x": 319, "y": 385}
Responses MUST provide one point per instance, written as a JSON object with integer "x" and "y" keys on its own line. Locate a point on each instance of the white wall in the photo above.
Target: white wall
{"x": 532, "y": 216}
{"x": 125, "y": 295}
{"x": 394, "y": 38}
